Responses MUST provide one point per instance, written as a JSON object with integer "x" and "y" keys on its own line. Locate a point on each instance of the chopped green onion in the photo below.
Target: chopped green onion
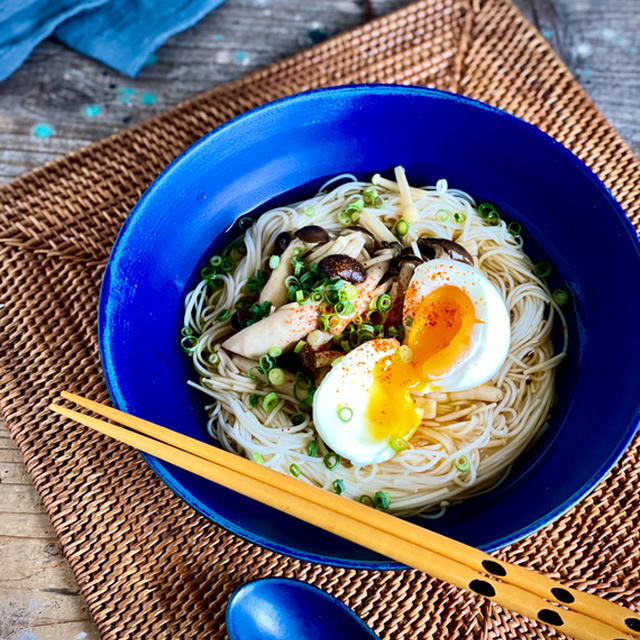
{"x": 405, "y": 354}
{"x": 270, "y": 401}
{"x": 398, "y": 444}
{"x": 213, "y": 358}
{"x": 186, "y": 331}
{"x": 369, "y": 195}
{"x": 345, "y": 413}
{"x": 312, "y": 448}
{"x": 227, "y": 264}
{"x": 274, "y": 261}
{"x": 342, "y": 295}
{"x": 274, "y": 352}
{"x": 542, "y": 269}
{"x": 392, "y": 332}
{"x": 296, "y": 419}
{"x": 309, "y": 211}
{"x": 351, "y": 291}
{"x": 344, "y": 218}
{"x": 401, "y": 228}
{"x": 253, "y": 400}
{"x": 382, "y": 500}
{"x": 223, "y": 315}
{"x": 189, "y": 344}
{"x": 335, "y": 361}
{"x": 338, "y": 486}
{"x": 206, "y": 273}
{"x": 462, "y": 464}
{"x": 275, "y": 377}
{"x": 460, "y": 217}
{"x": 408, "y": 321}
{"x": 366, "y": 500}
{"x": 514, "y": 228}
{"x": 331, "y": 460}
{"x": 215, "y": 261}
{"x": 344, "y": 308}
{"x": 214, "y": 283}
{"x": 299, "y": 346}
{"x": 384, "y": 302}
{"x": 442, "y": 215}
{"x": 294, "y": 470}
{"x": 266, "y": 363}
{"x": 561, "y": 297}
{"x": 485, "y": 209}
{"x": 302, "y": 297}
{"x": 257, "y": 457}
{"x": 292, "y": 281}
{"x": 245, "y": 223}
{"x": 493, "y": 218}
{"x": 378, "y": 203}
{"x": 298, "y": 251}
{"x": 357, "y": 320}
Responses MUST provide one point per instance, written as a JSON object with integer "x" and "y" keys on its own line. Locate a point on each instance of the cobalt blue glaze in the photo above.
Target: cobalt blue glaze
{"x": 283, "y": 609}
{"x": 284, "y": 150}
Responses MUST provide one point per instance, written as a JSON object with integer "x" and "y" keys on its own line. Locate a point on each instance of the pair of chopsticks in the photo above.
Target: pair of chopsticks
{"x": 576, "y": 613}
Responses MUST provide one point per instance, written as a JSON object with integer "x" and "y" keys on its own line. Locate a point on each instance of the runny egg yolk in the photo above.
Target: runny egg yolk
{"x": 440, "y": 334}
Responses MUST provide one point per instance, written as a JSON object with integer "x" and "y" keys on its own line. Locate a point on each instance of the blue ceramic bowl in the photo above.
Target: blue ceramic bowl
{"x": 284, "y": 150}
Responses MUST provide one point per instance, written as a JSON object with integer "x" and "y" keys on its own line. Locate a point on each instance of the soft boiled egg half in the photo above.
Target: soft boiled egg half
{"x": 457, "y": 337}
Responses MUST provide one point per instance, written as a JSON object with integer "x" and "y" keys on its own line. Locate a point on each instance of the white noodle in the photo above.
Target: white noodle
{"x": 424, "y": 476}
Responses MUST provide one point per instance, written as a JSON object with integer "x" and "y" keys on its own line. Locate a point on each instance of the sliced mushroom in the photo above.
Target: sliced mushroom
{"x": 312, "y": 234}
{"x": 370, "y": 242}
{"x": 283, "y": 328}
{"x": 433, "y": 247}
{"x": 343, "y": 266}
{"x": 311, "y": 362}
{"x": 406, "y": 272}
{"x": 281, "y": 243}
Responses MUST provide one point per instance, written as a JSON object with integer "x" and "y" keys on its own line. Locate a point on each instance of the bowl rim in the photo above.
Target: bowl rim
{"x": 160, "y": 468}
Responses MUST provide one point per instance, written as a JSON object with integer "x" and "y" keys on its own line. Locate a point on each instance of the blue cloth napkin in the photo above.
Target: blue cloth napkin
{"x": 120, "y": 33}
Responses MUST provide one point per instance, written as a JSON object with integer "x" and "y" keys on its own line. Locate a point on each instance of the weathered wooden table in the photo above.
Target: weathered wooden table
{"x": 59, "y": 101}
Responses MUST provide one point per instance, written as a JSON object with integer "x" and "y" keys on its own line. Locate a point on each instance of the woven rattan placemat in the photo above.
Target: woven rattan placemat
{"x": 149, "y": 565}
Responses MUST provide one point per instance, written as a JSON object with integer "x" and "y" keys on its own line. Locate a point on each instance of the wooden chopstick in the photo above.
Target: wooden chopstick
{"x": 361, "y": 524}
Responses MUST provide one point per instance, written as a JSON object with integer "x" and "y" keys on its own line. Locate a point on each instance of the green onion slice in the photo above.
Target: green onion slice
{"x": 331, "y": 460}
{"x": 344, "y": 218}
{"x": 542, "y": 269}
{"x": 382, "y": 500}
{"x": 275, "y": 377}
{"x": 186, "y": 331}
{"x": 351, "y": 291}
{"x": 213, "y": 358}
{"x": 227, "y": 264}
{"x": 398, "y": 444}
{"x": 378, "y": 203}
{"x": 514, "y": 228}
{"x": 274, "y": 352}
{"x": 338, "y": 486}
{"x": 257, "y": 457}
{"x": 561, "y": 297}
{"x": 274, "y": 261}
{"x": 298, "y": 347}
{"x": 485, "y": 209}
{"x": 384, "y": 302}
{"x": 215, "y": 261}
{"x": 297, "y": 418}
{"x": 270, "y": 401}
{"x": 344, "y": 308}
{"x": 312, "y": 448}
{"x": 189, "y": 344}
{"x": 401, "y": 228}
{"x": 345, "y": 413}
{"x": 367, "y": 500}
{"x": 460, "y": 216}
{"x": 266, "y": 363}
{"x": 244, "y": 223}
{"x": 253, "y": 400}
{"x": 369, "y": 195}
{"x": 309, "y": 211}
{"x": 294, "y": 470}
{"x": 442, "y": 215}
{"x": 462, "y": 464}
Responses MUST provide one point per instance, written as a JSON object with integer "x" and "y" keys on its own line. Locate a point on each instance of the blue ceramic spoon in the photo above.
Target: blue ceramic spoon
{"x": 284, "y": 609}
